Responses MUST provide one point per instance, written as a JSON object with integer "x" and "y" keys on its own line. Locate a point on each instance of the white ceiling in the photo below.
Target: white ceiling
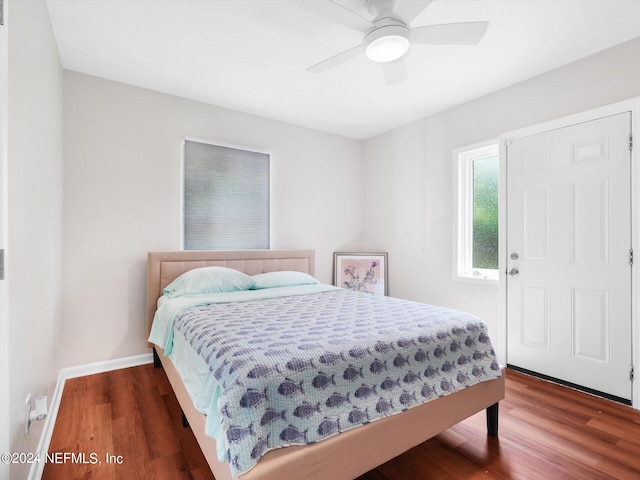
{"x": 252, "y": 55}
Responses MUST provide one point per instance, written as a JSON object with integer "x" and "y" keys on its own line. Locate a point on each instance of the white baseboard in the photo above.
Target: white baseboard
{"x": 107, "y": 366}
{"x": 37, "y": 468}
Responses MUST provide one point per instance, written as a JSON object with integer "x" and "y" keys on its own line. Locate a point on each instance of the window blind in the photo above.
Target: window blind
{"x": 226, "y": 198}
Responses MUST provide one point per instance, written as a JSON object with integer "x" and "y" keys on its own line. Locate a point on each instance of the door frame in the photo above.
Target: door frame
{"x": 5, "y": 398}
{"x": 630, "y": 105}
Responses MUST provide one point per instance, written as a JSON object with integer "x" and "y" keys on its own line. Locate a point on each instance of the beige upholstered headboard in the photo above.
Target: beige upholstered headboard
{"x": 164, "y": 267}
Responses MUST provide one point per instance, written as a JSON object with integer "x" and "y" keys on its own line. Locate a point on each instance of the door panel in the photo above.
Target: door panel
{"x": 535, "y": 316}
{"x": 535, "y": 225}
{"x": 591, "y": 324}
{"x": 568, "y": 237}
{"x": 590, "y": 221}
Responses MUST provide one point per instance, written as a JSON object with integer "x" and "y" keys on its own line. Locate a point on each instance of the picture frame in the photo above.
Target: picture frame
{"x": 361, "y": 271}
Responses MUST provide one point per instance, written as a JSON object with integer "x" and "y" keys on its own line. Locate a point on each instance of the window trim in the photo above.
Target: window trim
{"x": 463, "y": 159}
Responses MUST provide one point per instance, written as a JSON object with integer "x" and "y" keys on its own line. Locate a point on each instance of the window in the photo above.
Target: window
{"x": 477, "y": 178}
{"x": 226, "y": 197}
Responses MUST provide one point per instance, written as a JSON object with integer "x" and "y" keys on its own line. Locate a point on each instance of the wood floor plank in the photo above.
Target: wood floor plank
{"x": 122, "y": 415}
{"x": 547, "y": 432}
{"x": 130, "y": 443}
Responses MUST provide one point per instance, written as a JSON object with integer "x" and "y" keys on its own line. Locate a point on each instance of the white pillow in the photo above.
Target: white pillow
{"x": 284, "y": 278}
{"x": 208, "y": 280}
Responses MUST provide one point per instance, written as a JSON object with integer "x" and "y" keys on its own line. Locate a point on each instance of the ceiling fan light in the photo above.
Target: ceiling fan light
{"x": 388, "y": 41}
{"x": 387, "y": 48}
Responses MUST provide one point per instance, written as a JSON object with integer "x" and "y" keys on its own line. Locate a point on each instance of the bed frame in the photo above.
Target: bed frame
{"x": 344, "y": 456}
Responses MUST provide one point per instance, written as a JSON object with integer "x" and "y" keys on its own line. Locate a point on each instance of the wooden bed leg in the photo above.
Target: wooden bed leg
{"x": 185, "y": 422}
{"x": 156, "y": 359}
{"x": 492, "y": 420}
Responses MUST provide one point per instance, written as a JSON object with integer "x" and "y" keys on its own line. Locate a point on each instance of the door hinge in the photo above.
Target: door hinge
{"x": 630, "y": 142}
{"x": 1, "y": 263}
{"x": 631, "y": 257}
{"x": 631, "y": 373}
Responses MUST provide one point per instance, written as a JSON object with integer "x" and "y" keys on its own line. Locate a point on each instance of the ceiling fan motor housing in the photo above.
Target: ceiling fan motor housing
{"x": 388, "y": 41}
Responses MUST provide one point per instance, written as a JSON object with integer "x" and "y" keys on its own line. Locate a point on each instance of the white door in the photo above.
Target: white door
{"x": 568, "y": 247}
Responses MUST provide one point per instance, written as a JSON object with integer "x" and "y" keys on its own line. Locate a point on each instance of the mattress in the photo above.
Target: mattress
{"x": 295, "y": 365}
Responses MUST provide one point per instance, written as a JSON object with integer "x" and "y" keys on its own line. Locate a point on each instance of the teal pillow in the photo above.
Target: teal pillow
{"x": 283, "y": 278}
{"x": 208, "y": 280}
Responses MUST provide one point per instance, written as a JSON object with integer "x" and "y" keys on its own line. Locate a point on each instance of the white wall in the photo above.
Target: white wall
{"x": 408, "y": 171}
{"x": 5, "y": 378}
{"x": 122, "y": 198}
{"x": 34, "y": 215}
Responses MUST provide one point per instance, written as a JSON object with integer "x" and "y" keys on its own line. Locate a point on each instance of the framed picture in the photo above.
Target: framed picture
{"x": 362, "y": 272}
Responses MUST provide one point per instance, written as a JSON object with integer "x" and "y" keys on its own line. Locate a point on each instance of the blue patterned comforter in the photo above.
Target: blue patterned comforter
{"x": 298, "y": 369}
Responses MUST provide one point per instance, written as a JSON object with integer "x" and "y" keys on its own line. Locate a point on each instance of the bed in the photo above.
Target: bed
{"x": 345, "y": 453}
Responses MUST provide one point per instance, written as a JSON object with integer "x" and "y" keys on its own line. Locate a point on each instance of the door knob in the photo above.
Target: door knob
{"x": 514, "y": 272}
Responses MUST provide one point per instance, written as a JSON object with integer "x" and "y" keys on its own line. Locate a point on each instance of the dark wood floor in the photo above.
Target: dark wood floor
{"x": 546, "y": 432}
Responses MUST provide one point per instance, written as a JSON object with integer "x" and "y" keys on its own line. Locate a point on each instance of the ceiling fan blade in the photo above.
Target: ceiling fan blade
{"x": 337, "y": 13}
{"x": 408, "y": 10}
{"x": 395, "y": 72}
{"x": 466, "y": 33}
{"x": 336, "y": 60}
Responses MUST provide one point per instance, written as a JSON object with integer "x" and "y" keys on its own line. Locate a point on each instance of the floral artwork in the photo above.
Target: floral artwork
{"x": 362, "y": 272}
{"x": 351, "y": 275}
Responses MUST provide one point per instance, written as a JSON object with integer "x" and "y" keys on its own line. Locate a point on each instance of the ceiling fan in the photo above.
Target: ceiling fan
{"x": 388, "y": 36}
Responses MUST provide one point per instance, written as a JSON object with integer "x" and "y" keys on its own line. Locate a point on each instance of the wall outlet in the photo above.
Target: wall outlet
{"x": 31, "y": 415}
{"x": 40, "y": 412}
{"x": 27, "y": 414}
